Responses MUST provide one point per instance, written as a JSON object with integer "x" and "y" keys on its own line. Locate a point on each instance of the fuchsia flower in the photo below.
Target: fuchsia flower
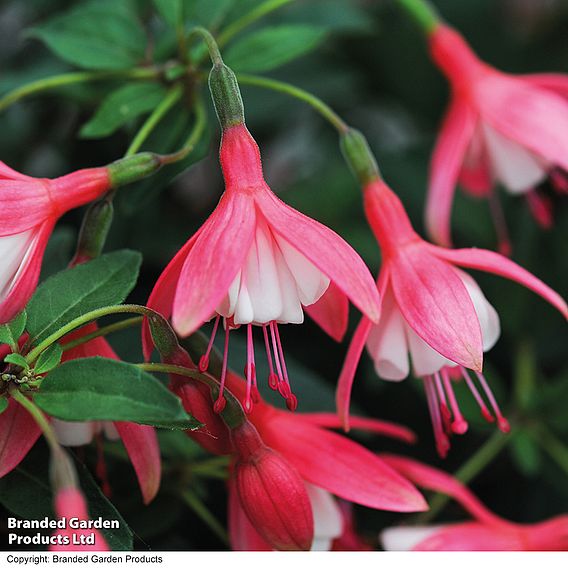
{"x": 69, "y": 504}
{"x": 432, "y": 312}
{"x": 487, "y": 532}
{"x": 258, "y": 262}
{"x": 301, "y": 447}
{"x": 19, "y": 431}
{"x": 30, "y": 208}
{"x": 499, "y": 128}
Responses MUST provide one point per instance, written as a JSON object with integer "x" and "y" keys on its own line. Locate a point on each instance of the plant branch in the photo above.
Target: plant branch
{"x": 102, "y": 331}
{"x": 250, "y": 18}
{"x": 280, "y": 86}
{"x": 172, "y": 97}
{"x": 73, "y": 78}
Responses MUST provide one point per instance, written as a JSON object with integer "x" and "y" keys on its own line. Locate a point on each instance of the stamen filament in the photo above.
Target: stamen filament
{"x": 204, "y": 360}
{"x": 272, "y": 378}
{"x": 442, "y": 442}
{"x": 484, "y": 410}
{"x": 502, "y": 422}
{"x": 459, "y": 425}
{"x": 220, "y": 402}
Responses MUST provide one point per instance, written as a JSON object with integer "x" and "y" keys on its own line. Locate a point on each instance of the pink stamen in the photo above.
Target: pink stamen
{"x": 459, "y": 425}
{"x": 276, "y": 358}
{"x": 204, "y": 360}
{"x": 442, "y": 441}
{"x": 249, "y": 370}
{"x": 444, "y": 410}
{"x": 484, "y": 410}
{"x": 221, "y": 402}
{"x": 541, "y": 209}
{"x": 272, "y": 378}
{"x": 504, "y": 241}
{"x": 502, "y": 422}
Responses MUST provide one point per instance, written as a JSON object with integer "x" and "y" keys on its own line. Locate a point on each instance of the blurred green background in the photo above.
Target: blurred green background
{"x": 373, "y": 68}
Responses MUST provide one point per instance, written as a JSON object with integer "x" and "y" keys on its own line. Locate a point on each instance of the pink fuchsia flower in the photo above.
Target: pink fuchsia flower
{"x": 486, "y": 532}
{"x": 330, "y": 466}
{"x": 70, "y": 504}
{"x": 499, "y": 129}
{"x": 432, "y": 313}
{"x": 258, "y": 262}
{"x": 30, "y": 208}
{"x": 19, "y": 431}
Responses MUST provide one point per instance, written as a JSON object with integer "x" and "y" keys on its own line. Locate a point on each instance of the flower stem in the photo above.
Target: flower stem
{"x": 84, "y": 319}
{"x": 209, "y": 40}
{"x": 199, "y": 508}
{"x": 250, "y": 18}
{"x": 193, "y": 138}
{"x": 38, "y": 416}
{"x": 467, "y": 472}
{"x": 322, "y": 108}
{"x": 233, "y": 414}
{"x": 72, "y": 78}
{"x": 172, "y": 97}
{"x": 423, "y": 13}
{"x": 102, "y": 331}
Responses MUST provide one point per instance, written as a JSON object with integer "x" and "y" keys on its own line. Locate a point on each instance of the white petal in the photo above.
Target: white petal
{"x": 321, "y": 545}
{"x": 486, "y": 313}
{"x": 292, "y": 311}
{"x": 14, "y": 252}
{"x": 518, "y": 169}
{"x": 229, "y": 303}
{"x": 73, "y": 433}
{"x": 405, "y": 538}
{"x": 260, "y": 276}
{"x": 425, "y": 360}
{"x": 328, "y": 521}
{"x": 311, "y": 282}
{"x": 387, "y": 344}
{"x": 244, "y": 312}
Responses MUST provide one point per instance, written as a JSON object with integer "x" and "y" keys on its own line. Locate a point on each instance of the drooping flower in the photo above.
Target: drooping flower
{"x": 486, "y": 532}
{"x": 19, "y": 431}
{"x": 329, "y": 464}
{"x": 258, "y": 262}
{"x": 499, "y": 129}
{"x": 30, "y": 208}
{"x": 432, "y": 313}
{"x": 70, "y": 504}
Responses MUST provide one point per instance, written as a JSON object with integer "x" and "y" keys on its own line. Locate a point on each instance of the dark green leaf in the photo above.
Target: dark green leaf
{"x": 96, "y": 35}
{"x": 3, "y": 404}
{"x": 104, "y": 281}
{"x": 121, "y": 106}
{"x": 269, "y": 48}
{"x": 49, "y": 359}
{"x": 10, "y": 332}
{"x": 17, "y": 359}
{"x": 105, "y": 389}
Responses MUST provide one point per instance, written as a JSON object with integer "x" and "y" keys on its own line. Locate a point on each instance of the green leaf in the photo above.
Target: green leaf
{"x": 48, "y": 359}
{"x": 105, "y": 389}
{"x": 96, "y": 35}
{"x": 269, "y": 48}
{"x": 17, "y": 359}
{"x": 121, "y": 106}
{"x": 525, "y": 453}
{"x": 104, "y": 281}
{"x": 3, "y": 404}
{"x": 10, "y": 332}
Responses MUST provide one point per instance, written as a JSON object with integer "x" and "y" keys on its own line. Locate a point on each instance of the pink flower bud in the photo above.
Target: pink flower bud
{"x": 271, "y": 492}
{"x": 70, "y": 504}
